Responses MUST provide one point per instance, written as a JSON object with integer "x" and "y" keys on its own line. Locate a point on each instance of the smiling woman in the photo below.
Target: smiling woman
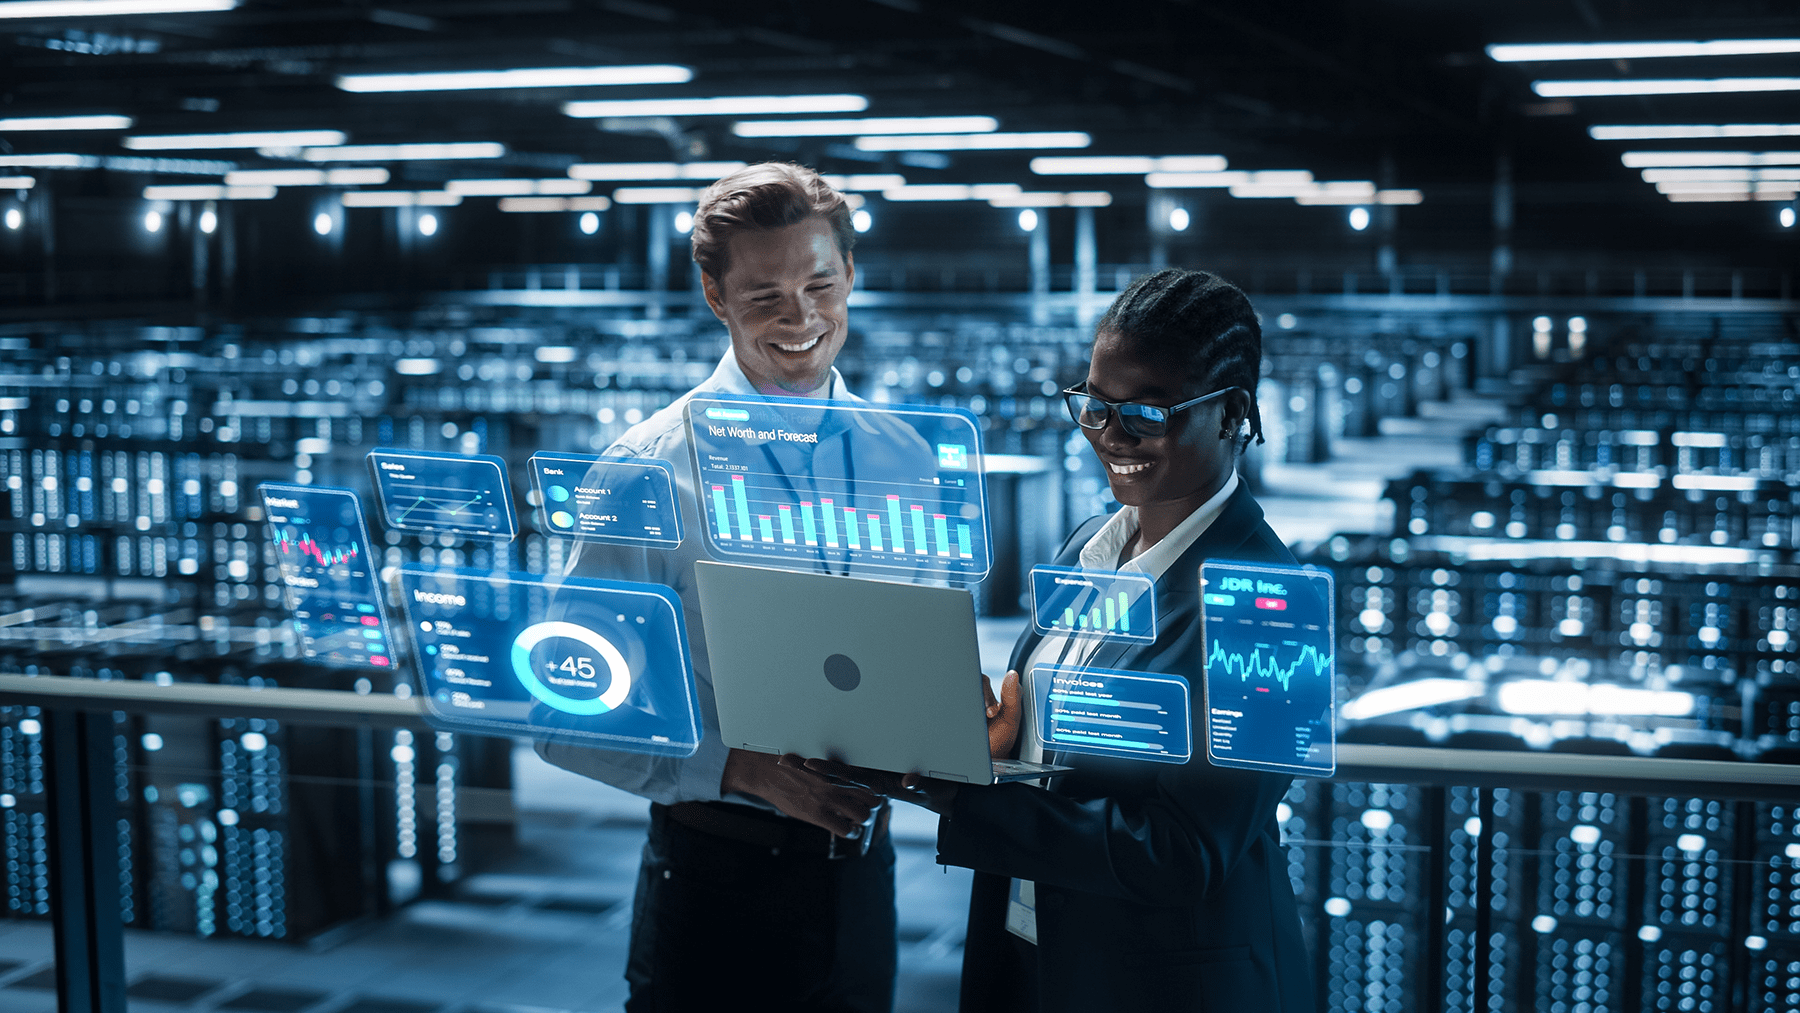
{"x": 1115, "y": 887}
{"x": 1182, "y": 353}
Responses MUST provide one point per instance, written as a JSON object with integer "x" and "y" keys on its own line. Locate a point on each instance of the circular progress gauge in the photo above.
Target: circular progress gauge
{"x": 552, "y": 657}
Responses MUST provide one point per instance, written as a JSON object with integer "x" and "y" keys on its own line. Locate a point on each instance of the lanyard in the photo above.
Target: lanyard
{"x": 780, "y": 468}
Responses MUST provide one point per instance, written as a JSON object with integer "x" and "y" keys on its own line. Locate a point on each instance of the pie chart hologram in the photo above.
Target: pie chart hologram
{"x": 571, "y": 668}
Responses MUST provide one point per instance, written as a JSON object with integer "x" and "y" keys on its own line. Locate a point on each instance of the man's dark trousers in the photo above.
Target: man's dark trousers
{"x": 720, "y": 924}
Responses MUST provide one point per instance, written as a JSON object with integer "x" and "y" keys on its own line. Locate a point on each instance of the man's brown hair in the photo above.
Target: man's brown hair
{"x": 770, "y": 195}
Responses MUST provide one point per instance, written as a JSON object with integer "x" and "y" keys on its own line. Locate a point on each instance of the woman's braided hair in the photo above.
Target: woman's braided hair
{"x": 1197, "y": 322}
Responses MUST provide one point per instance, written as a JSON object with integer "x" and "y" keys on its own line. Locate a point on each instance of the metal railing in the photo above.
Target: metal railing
{"x": 77, "y": 722}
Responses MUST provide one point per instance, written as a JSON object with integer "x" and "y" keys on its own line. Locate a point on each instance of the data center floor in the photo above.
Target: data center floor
{"x": 1308, "y": 503}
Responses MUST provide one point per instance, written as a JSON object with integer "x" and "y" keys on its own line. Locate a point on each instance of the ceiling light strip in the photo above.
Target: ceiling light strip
{"x": 208, "y": 192}
{"x": 99, "y": 122}
{"x": 1294, "y": 178}
{"x": 400, "y": 199}
{"x": 1557, "y": 51}
{"x": 1334, "y": 199}
{"x": 1125, "y": 165}
{"x": 868, "y": 125}
{"x": 977, "y": 142}
{"x": 1670, "y": 86}
{"x": 56, "y": 161}
{"x": 865, "y": 182}
{"x": 516, "y": 205}
{"x": 1255, "y": 191}
{"x": 520, "y": 77}
{"x": 1077, "y": 199}
{"x": 307, "y": 177}
{"x": 1691, "y": 131}
{"x": 36, "y": 9}
{"x": 1774, "y": 190}
{"x": 1704, "y": 159}
{"x": 405, "y": 152}
{"x": 246, "y": 139}
{"x": 731, "y": 105}
{"x": 651, "y": 171}
{"x": 518, "y": 187}
{"x": 953, "y": 192}
{"x": 1194, "y": 180}
{"x": 1741, "y": 175}
{"x": 120, "y": 163}
{"x": 657, "y": 195}
{"x": 1780, "y": 196}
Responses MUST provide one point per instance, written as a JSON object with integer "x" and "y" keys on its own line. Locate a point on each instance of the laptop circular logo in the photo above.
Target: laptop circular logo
{"x": 841, "y": 672}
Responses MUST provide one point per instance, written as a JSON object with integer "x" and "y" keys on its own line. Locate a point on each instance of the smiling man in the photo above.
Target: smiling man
{"x": 759, "y": 879}
{"x": 779, "y": 284}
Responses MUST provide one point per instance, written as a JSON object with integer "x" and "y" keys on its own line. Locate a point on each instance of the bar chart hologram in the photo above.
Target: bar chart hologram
{"x": 1093, "y": 603}
{"x": 840, "y": 483}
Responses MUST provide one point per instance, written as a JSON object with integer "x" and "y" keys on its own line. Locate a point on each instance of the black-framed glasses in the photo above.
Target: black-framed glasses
{"x": 1145, "y": 421}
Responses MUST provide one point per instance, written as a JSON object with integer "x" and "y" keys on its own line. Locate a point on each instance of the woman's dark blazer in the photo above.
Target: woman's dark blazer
{"x": 1159, "y": 886}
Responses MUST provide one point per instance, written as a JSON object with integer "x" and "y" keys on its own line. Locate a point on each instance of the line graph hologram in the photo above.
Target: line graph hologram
{"x": 1255, "y": 664}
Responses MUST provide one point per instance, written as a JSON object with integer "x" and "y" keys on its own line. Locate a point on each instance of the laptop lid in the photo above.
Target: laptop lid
{"x": 870, "y": 673}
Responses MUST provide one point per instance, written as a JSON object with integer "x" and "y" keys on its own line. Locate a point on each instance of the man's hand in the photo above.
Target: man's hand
{"x": 929, "y": 792}
{"x": 1002, "y": 715}
{"x": 785, "y": 783}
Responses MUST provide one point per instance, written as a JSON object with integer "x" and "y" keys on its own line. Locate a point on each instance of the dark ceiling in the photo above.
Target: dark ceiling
{"x": 1396, "y": 91}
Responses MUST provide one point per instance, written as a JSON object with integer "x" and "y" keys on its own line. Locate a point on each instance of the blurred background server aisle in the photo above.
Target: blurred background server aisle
{"x": 1583, "y": 600}
{"x": 1630, "y": 604}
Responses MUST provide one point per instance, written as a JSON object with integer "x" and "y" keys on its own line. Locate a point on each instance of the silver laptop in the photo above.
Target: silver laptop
{"x": 873, "y": 674}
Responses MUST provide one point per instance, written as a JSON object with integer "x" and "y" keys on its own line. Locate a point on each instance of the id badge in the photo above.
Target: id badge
{"x": 1021, "y": 910}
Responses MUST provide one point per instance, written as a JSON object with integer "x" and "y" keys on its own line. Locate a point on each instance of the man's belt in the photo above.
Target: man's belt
{"x": 781, "y": 835}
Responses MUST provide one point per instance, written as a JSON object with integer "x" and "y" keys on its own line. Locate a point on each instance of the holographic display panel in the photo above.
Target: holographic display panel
{"x": 799, "y": 482}
{"x": 1270, "y": 667}
{"x": 422, "y": 490}
{"x": 600, "y": 663}
{"x": 623, "y": 500}
{"x": 1111, "y": 713}
{"x": 327, "y": 574}
{"x": 1093, "y": 603}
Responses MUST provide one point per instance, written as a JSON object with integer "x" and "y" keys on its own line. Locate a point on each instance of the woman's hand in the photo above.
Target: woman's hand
{"x": 1002, "y": 715}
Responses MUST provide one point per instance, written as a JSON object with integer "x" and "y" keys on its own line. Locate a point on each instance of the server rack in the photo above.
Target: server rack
{"x": 1628, "y": 532}
{"x": 188, "y": 455}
